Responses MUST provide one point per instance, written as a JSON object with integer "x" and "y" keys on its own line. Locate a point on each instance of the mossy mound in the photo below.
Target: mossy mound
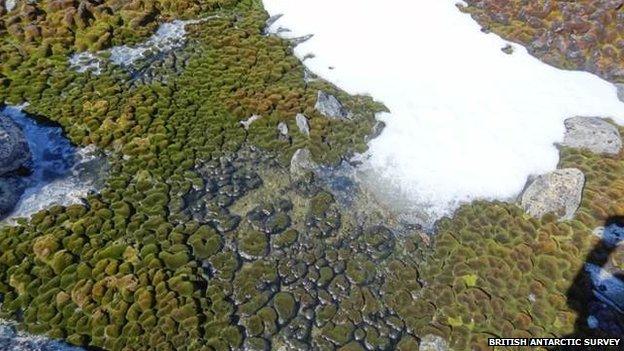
{"x": 583, "y": 34}
{"x": 496, "y": 271}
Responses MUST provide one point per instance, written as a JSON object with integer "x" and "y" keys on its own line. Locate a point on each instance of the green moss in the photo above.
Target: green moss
{"x": 285, "y": 306}
{"x": 170, "y": 253}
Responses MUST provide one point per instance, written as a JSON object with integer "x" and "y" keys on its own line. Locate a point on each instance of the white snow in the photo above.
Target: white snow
{"x": 467, "y": 121}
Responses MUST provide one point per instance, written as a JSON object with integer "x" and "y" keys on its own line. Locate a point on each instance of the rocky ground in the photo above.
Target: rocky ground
{"x": 219, "y": 227}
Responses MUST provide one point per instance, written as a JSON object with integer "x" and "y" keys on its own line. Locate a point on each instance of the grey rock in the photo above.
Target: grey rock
{"x": 432, "y": 342}
{"x": 301, "y": 163}
{"x": 508, "y": 49}
{"x": 592, "y": 133}
{"x": 302, "y": 124}
{"x": 270, "y": 22}
{"x": 329, "y": 106}
{"x": 10, "y": 5}
{"x": 301, "y": 40}
{"x": 282, "y": 128}
{"x": 620, "y": 91}
{"x": 247, "y": 123}
{"x": 14, "y": 151}
{"x": 6, "y": 331}
{"x": 558, "y": 192}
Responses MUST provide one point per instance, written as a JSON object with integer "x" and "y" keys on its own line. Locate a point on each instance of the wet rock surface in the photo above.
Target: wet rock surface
{"x": 14, "y": 340}
{"x": 432, "y": 342}
{"x": 58, "y": 172}
{"x": 11, "y": 188}
{"x": 594, "y": 134}
{"x": 557, "y": 192}
{"x": 14, "y": 151}
{"x": 302, "y": 124}
{"x": 329, "y": 106}
{"x": 302, "y": 164}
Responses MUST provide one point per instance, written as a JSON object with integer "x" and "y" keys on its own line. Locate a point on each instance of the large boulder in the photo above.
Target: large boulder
{"x": 14, "y": 151}
{"x": 301, "y": 164}
{"x": 329, "y": 106}
{"x": 592, "y": 133}
{"x": 557, "y": 192}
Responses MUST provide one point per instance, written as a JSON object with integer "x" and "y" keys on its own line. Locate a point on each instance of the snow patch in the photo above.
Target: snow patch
{"x": 467, "y": 120}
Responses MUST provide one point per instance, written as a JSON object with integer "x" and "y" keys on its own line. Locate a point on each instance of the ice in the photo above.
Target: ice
{"x": 168, "y": 37}
{"x": 61, "y": 173}
{"x": 11, "y": 339}
{"x": 86, "y": 61}
{"x": 466, "y": 120}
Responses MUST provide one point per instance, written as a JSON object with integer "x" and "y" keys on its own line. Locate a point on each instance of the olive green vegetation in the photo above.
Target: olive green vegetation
{"x": 200, "y": 241}
{"x": 587, "y": 33}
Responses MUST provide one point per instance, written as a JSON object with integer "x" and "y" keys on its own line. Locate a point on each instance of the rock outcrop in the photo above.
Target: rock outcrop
{"x": 592, "y": 133}
{"x": 557, "y": 192}
{"x": 14, "y": 151}
{"x": 301, "y": 163}
{"x": 329, "y": 106}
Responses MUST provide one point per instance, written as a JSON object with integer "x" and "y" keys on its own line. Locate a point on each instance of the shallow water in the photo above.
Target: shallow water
{"x": 467, "y": 120}
{"x": 61, "y": 173}
{"x": 13, "y": 340}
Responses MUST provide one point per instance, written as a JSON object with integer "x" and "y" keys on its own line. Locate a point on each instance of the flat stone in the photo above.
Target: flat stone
{"x": 557, "y": 192}
{"x": 247, "y": 123}
{"x": 432, "y": 342}
{"x": 282, "y": 128}
{"x": 14, "y": 151}
{"x": 301, "y": 163}
{"x": 302, "y": 124}
{"x": 594, "y": 134}
{"x": 329, "y": 106}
